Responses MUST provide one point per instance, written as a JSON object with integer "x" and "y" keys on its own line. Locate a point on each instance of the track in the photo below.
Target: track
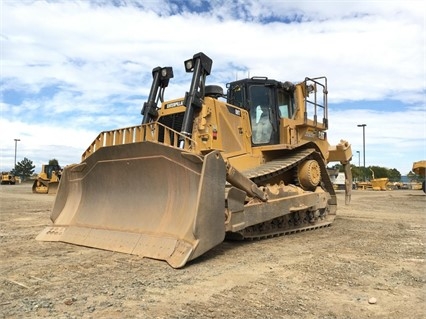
{"x": 291, "y": 222}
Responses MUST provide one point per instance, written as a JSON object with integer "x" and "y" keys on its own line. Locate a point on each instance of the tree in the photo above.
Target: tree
{"x": 24, "y": 168}
{"x": 394, "y": 175}
{"x": 357, "y": 174}
{"x": 366, "y": 173}
{"x": 379, "y": 172}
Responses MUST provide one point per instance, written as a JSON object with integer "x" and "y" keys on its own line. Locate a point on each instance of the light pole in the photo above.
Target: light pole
{"x": 359, "y": 163}
{"x": 16, "y": 146}
{"x": 363, "y": 139}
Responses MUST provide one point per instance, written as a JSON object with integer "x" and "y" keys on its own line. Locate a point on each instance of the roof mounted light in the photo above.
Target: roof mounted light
{"x": 164, "y": 75}
{"x": 189, "y": 65}
{"x": 167, "y": 72}
{"x": 200, "y": 58}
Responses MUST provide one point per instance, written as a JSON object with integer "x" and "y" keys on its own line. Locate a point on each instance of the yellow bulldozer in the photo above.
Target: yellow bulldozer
{"x": 248, "y": 164}
{"x": 47, "y": 180}
{"x": 7, "y": 178}
{"x": 419, "y": 168}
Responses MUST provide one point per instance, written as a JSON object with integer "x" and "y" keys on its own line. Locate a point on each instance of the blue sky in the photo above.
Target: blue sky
{"x": 71, "y": 69}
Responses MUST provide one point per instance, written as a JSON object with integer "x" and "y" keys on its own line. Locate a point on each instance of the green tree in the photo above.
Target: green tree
{"x": 356, "y": 172}
{"x": 382, "y": 172}
{"x": 24, "y": 168}
{"x": 366, "y": 173}
{"x": 394, "y": 175}
{"x": 411, "y": 176}
{"x": 379, "y": 172}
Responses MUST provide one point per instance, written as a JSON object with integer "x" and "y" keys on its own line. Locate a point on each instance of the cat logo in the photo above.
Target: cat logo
{"x": 173, "y": 104}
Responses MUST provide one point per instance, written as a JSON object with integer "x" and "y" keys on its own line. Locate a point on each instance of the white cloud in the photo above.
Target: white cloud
{"x": 41, "y": 142}
{"x": 98, "y": 55}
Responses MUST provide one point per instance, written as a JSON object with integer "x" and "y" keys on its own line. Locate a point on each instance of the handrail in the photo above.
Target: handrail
{"x": 320, "y": 82}
{"x": 149, "y": 132}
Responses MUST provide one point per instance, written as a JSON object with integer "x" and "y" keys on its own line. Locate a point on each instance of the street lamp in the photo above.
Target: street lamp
{"x": 359, "y": 163}
{"x": 363, "y": 146}
{"x": 363, "y": 139}
{"x": 16, "y": 146}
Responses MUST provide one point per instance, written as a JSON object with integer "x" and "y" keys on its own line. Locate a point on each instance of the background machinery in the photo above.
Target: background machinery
{"x": 379, "y": 184}
{"x": 246, "y": 165}
{"x": 7, "y": 178}
{"x": 47, "y": 180}
{"x": 419, "y": 168}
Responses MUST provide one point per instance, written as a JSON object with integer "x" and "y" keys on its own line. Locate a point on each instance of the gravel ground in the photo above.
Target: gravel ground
{"x": 369, "y": 264}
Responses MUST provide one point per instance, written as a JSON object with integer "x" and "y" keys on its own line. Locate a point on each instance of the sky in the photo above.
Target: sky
{"x": 71, "y": 69}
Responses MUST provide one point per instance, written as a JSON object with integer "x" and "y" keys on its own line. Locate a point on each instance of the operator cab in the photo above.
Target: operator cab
{"x": 49, "y": 169}
{"x": 266, "y": 101}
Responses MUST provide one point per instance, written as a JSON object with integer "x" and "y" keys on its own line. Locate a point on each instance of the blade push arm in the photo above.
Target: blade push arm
{"x": 160, "y": 80}
{"x": 201, "y": 66}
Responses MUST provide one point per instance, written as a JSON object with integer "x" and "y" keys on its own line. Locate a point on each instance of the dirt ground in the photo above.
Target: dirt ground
{"x": 369, "y": 264}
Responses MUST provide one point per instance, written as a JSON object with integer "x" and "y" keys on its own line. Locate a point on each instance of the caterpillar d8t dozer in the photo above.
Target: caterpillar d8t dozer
{"x": 47, "y": 180}
{"x": 248, "y": 164}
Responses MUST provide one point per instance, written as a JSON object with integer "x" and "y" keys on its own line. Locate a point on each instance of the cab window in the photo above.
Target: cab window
{"x": 285, "y": 104}
{"x": 261, "y": 114}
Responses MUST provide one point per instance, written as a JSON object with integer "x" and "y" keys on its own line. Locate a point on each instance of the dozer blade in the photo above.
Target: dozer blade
{"x": 53, "y": 187}
{"x": 40, "y": 186}
{"x": 144, "y": 198}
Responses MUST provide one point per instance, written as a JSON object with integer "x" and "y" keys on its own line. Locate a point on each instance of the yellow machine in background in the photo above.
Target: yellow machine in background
{"x": 419, "y": 168}
{"x": 250, "y": 164}
{"x": 379, "y": 184}
{"x": 47, "y": 180}
{"x": 7, "y": 178}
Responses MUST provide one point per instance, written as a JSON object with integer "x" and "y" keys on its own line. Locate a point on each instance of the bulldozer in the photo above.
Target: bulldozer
{"x": 47, "y": 180}
{"x": 419, "y": 168}
{"x": 246, "y": 164}
{"x": 7, "y": 178}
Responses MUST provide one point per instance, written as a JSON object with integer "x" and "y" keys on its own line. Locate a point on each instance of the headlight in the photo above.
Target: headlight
{"x": 167, "y": 72}
{"x": 189, "y": 65}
